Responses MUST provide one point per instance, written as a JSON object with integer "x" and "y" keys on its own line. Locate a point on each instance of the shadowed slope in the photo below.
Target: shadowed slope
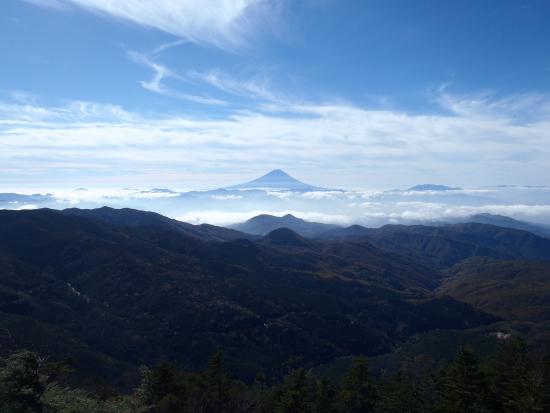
{"x": 514, "y": 290}
{"x": 138, "y": 294}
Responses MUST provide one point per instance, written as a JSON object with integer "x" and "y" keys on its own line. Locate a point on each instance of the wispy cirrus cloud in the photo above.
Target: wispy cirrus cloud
{"x": 222, "y": 23}
{"x": 53, "y": 4}
{"x": 17, "y": 112}
{"x": 160, "y": 73}
{"x": 256, "y": 88}
{"x": 525, "y": 107}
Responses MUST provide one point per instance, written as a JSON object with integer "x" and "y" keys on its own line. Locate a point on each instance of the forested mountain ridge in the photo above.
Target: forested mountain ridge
{"x": 127, "y": 217}
{"x": 438, "y": 246}
{"x": 443, "y": 246}
{"x": 137, "y": 293}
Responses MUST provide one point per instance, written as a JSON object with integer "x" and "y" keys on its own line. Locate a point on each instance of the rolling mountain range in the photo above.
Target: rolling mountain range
{"x": 262, "y": 224}
{"x": 131, "y": 218}
{"x": 507, "y": 222}
{"x": 444, "y": 246}
{"x": 120, "y": 288}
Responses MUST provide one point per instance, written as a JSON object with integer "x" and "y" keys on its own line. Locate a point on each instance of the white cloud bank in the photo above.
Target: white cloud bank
{"x": 331, "y": 145}
{"x": 429, "y": 212}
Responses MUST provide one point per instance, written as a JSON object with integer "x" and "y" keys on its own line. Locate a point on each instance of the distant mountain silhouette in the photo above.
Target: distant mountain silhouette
{"x": 507, "y": 222}
{"x": 352, "y": 232}
{"x": 277, "y": 179}
{"x": 431, "y": 187}
{"x": 264, "y": 223}
{"x": 158, "y": 191}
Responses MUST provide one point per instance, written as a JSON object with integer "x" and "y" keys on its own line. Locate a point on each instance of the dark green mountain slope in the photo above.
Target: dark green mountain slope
{"x": 132, "y": 218}
{"x": 132, "y": 294}
{"x": 513, "y": 290}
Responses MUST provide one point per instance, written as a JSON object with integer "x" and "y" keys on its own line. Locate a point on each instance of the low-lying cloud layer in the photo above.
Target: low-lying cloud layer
{"x": 331, "y": 145}
{"x": 370, "y": 208}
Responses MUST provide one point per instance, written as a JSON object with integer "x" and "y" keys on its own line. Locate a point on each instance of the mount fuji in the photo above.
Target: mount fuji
{"x": 277, "y": 180}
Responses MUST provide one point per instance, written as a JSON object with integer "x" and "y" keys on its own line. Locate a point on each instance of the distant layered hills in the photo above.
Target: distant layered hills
{"x": 432, "y": 187}
{"x": 507, "y": 222}
{"x": 263, "y": 224}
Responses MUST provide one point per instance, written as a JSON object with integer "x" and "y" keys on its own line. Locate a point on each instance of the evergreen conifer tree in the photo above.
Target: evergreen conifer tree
{"x": 217, "y": 383}
{"x": 357, "y": 393}
{"x": 463, "y": 387}
{"x": 508, "y": 371}
{"x": 294, "y": 394}
{"x": 398, "y": 394}
{"x": 324, "y": 397}
{"x": 21, "y": 386}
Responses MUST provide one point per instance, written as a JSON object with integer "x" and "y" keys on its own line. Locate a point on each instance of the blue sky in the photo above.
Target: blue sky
{"x": 196, "y": 94}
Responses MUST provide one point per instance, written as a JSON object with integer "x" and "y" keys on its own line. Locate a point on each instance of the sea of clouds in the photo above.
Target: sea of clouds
{"x": 370, "y": 208}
